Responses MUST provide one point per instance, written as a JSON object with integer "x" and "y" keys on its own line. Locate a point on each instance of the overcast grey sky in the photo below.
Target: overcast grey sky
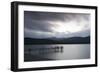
{"x": 59, "y": 25}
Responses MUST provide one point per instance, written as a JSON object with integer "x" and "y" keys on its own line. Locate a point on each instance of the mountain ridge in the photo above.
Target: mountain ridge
{"x": 71, "y": 40}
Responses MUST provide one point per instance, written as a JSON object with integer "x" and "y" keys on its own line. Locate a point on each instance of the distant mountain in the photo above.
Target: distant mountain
{"x": 72, "y": 40}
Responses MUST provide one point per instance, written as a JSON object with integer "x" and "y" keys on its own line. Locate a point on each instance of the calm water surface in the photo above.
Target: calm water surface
{"x": 48, "y": 52}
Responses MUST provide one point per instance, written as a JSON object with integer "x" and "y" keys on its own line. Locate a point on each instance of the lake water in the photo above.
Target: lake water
{"x": 50, "y": 52}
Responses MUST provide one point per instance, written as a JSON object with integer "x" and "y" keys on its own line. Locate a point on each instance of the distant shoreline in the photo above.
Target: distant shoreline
{"x": 55, "y": 43}
{"x": 72, "y": 40}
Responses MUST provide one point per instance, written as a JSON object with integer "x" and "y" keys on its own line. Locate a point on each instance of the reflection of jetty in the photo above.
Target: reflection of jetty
{"x": 56, "y": 49}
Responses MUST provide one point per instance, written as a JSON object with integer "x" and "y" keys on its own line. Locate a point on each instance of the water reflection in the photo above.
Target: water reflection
{"x": 56, "y": 52}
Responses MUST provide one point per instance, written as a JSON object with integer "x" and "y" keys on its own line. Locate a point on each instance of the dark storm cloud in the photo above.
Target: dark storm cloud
{"x": 40, "y": 20}
{"x": 51, "y": 16}
{"x": 37, "y": 25}
{"x": 40, "y": 24}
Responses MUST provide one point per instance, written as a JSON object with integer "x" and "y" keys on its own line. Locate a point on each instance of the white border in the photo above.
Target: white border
{"x": 22, "y": 64}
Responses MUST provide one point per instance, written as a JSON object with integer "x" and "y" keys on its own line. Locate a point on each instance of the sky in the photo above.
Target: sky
{"x": 54, "y": 24}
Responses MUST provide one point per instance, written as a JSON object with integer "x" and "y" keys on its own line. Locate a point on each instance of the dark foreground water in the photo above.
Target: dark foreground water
{"x": 56, "y": 52}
